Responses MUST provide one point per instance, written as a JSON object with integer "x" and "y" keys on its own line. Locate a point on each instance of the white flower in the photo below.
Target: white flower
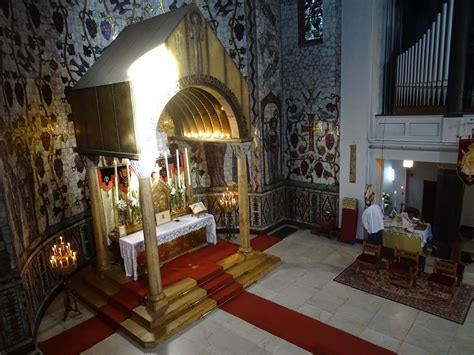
{"x": 122, "y": 205}
{"x": 134, "y": 202}
{"x": 173, "y": 191}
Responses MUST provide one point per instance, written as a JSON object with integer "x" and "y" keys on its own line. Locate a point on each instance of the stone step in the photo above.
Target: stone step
{"x": 149, "y": 339}
{"x": 252, "y": 262}
{"x": 251, "y": 276}
{"x": 174, "y": 309}
{"x": 102, "y": 285}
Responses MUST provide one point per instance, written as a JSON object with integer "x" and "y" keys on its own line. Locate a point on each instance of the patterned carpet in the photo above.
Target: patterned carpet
{"x": 420, "y": 297}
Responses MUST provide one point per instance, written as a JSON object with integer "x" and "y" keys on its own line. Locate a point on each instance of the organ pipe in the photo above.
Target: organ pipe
{"x": 422, "y": 70}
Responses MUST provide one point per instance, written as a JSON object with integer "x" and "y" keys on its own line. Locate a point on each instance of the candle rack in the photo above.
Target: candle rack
{"x": 63, "y": 262}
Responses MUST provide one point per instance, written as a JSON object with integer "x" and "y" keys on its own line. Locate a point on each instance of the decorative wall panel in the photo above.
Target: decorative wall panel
{"x": 311, "y": 82}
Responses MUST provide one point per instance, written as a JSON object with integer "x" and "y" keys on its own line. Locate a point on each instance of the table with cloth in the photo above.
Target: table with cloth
{"x": 410, "y": 237}
{"x": 131, "y": 245}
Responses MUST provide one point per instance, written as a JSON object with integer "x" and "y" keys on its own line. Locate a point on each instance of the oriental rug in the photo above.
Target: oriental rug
{"x": 420, "y": 297}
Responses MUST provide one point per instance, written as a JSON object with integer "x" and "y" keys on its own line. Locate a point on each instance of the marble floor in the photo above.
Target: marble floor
{"x": 303, "y": 282}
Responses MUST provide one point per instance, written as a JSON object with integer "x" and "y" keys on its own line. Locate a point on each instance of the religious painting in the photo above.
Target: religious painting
{"x": 465, "y": 165}
{"x": 352, "y": 164}
{"x": 310, "y": 21}
{"x": 270, "y": 110}
{"x": 215, "y": 156}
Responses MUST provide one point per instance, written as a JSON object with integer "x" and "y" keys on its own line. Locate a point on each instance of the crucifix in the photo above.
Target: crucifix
{"x": 311, "y": 128}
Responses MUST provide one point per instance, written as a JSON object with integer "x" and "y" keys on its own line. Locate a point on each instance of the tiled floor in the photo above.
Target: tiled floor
{"x": 303, "y": 282}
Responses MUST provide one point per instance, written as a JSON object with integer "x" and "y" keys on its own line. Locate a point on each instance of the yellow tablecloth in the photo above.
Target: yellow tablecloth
{"x": 402, "y": 240}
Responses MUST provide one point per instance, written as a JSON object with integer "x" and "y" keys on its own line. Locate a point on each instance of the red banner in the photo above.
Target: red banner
{"x": 465, "y": 166}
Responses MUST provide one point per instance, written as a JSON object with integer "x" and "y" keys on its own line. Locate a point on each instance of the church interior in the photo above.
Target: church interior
{"x": 195, "y": 177}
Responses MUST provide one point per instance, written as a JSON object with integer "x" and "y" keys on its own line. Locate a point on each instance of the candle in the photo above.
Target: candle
{"x": 187, "y": 166}
{"x": 116, "y": 182}
{"x": 61, "y": 262}
{"x": 167, "y": 168}
{"x": 177, "y": 163}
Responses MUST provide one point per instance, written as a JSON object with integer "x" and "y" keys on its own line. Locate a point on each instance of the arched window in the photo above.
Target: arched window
{"x": 310, "y": 21}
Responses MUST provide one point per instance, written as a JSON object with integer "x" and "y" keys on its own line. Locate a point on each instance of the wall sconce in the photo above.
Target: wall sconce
{"x": 408, "y": 163}
{"x": 390, "y": 174}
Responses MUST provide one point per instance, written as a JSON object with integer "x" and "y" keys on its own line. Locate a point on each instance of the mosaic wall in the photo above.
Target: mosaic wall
{"x": 311, "y": 82}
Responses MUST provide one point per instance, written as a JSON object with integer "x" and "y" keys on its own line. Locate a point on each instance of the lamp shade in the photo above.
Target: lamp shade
{"x": 408, "y": 163}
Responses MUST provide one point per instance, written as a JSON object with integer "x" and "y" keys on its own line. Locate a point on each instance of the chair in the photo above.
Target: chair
{"x": 444, "y": 276}
{"x": 370, "y": 256}
{"x": 403, "y": 270}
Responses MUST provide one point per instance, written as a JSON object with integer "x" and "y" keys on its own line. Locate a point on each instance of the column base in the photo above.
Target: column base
{"x": 246, "y": 251}
{"x": 156, "y": 306}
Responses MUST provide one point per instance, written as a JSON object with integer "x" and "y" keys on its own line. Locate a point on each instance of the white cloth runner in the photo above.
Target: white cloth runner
{"x": 133, "y": 244}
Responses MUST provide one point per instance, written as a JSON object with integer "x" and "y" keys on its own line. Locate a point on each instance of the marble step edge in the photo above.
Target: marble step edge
{"x": 151, "y": 338}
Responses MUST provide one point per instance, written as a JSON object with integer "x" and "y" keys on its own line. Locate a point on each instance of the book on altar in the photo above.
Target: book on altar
{"x": 198, "y": 208}
{"x": 162, "y": 217}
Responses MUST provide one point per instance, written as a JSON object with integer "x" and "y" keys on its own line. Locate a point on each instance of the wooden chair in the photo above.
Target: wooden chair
{"x": 370, "y": 257}
{"x": 403, "y": 270}
{"x": 444, "y": 276}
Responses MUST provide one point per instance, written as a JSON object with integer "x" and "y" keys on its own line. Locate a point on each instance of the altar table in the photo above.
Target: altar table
{"x": 131, "y": 245}
{"x": 406, "y": 240}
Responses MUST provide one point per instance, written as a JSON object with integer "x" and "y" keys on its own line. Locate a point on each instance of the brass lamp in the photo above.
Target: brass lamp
{"x": 63, "y": 262}
{"x": 228, "y": 203}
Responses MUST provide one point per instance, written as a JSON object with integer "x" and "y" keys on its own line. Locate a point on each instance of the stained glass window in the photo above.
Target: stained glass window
{"x": 310, "y": 21}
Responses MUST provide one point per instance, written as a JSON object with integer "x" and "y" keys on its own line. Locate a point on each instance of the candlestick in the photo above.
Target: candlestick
{"x": 187, "y": 166}
{"x": 63, "y": 261}
{"x": 177, "y": 163}
{"x": 167, "y": 168}
{"x": 116, "y": 181}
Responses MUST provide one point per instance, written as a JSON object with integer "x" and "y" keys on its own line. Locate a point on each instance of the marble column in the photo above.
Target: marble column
{"x": 98, "y": 217}
{"x": 241, "y": 150}
{"x": 156, "y": 300}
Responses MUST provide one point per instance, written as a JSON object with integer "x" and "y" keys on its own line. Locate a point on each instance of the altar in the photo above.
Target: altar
{"x": 402, "y": 234}
{"x": 132, "y": 245}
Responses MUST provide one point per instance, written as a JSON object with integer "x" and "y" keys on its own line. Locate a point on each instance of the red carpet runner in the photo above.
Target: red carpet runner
{"x": 294, "y": 327}
{"x": 298, "y": 329}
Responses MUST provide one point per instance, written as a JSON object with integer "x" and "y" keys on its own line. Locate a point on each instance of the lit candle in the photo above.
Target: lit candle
{"x": 187, "y": 166}
{"x": 177, "y": 163}
{"x": 167, "y": 168}
{"x": 61, "y": 240}
{"x": 61, "y": 262}
{"x": 51, "y": 261}
{"x": 116, "y": 182}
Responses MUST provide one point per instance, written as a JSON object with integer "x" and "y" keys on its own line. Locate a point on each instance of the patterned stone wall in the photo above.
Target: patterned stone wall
{"x": 311, "y": 82}
{"x": 45, "y": 47}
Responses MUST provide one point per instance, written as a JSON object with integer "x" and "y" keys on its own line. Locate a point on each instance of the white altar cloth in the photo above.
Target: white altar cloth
{"x": 133, "y": 244}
